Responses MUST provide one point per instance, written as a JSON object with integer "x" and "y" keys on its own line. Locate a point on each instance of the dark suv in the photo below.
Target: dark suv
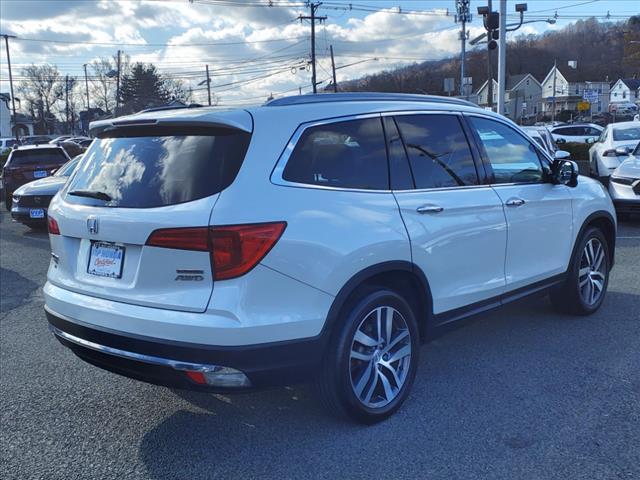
{"x": 28, "y": 163}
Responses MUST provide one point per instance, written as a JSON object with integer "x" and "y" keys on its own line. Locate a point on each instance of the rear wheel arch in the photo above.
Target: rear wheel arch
{"x": 402, "y": 277}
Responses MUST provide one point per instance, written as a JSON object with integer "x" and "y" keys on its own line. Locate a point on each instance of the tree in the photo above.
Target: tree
{"x": 143, "y": 87}
{"x": 103, "y": 80}
{"x": 41, "y": 92}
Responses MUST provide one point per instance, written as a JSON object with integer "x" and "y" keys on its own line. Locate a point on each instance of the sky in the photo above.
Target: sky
{"x": 253, "y": 50}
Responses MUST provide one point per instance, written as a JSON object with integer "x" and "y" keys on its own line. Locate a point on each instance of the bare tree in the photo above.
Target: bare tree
{"x": 103, "y": 80}
{"x": 41, "y": 92}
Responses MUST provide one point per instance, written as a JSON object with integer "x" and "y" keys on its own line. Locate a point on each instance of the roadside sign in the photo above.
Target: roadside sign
{"x": 583, "y": 106}
{"x": 449, "y": 85}
{"x": 590, "y": 96}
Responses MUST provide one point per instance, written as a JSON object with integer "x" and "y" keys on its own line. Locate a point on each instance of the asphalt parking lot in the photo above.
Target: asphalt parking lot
{"x": 522, "y": 392}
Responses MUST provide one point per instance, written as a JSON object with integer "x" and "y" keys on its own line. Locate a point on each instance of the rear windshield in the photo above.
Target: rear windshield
{"x": 629, "y": 133}
{"x": 34, "y": 157}
{"x": 154, "y": 168}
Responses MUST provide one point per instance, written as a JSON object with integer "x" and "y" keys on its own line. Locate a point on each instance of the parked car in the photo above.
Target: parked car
{"x": 623, "y": 108}
{"x": 315, "y": 238}
{"x": 624, "y": 186}
{"x": 543, "y": 137}
{"x": 35, "y": 140}
{"x": 31, "y": 201}
{"x": 72, "y": 148}
{"x": 614, "y": 146}
{"x": 30, "y": 162}
{"x": 85, "y": 142}
{"x": 59, "y": 139}
{"x": 6, "y": 143}
{"x": 576, "y": 133}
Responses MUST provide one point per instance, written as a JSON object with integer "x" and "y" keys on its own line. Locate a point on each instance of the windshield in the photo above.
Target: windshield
{"x": 67, "y": 169}
{"x": 159, "y": 167}
{"x": 629, "y": 133}
{"x": 37, "y": 156}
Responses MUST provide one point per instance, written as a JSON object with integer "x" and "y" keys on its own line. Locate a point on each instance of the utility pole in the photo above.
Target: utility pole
{"x": 13, "y": 99}
{"x": 86, "y": 85}
{"x": 66, "y": 99}
{"x": 553, "y": 111}
{"x": 313, "y": 18}
{"x": 118, "y": 86}
{"x": 489, "y": 64}
{"x": 208, "y": 85}
{"x": 463, "y": 16}
{"x": 502, "y": 56}
{"x": 333, "y": 70}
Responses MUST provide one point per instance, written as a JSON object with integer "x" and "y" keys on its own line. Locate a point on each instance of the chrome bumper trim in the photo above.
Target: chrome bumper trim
{"x": 166, "y": 362}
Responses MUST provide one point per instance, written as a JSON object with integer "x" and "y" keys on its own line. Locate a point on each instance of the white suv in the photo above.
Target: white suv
{"x": 314, "y": 238}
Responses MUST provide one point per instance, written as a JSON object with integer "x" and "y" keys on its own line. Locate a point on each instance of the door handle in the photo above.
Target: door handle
{"x": 515, "y": 202}
{"x": 429, "y": 208}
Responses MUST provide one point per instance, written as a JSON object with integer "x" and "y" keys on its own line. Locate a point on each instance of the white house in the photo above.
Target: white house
{"x": 625, "y": 90}
{"x": 569, "y": 91}
{"x": 522, "y": 95}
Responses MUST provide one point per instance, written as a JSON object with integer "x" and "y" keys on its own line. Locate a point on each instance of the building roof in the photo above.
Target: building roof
{"x": 632, "y": 83}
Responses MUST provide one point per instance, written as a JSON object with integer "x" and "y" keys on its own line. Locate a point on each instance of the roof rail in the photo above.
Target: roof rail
{"x": 365, "y": 97}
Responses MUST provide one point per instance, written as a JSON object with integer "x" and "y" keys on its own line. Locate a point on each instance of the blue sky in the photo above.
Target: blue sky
{"x": 253, "y": 51}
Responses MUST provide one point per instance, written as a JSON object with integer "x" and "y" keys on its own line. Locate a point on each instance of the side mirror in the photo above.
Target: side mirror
{"x": 565, "y": 172}
{"x": 591, "y": 140}
{"x": 561, "y": 155}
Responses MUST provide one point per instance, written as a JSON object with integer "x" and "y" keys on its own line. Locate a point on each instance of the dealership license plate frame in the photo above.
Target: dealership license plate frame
{"x": 116, "y": 271}
{"x": 40, "y": 174}
{"x": 36, "y": 213}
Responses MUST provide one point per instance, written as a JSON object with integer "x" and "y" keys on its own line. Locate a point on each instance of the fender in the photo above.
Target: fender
{"x": 599, "y": 214}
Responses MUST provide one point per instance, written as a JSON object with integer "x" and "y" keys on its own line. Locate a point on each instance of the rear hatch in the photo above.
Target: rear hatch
{"x": 26, "y": 165}
{"x": 137, "y": 178}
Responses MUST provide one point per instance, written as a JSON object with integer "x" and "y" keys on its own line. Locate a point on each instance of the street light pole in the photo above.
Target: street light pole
{"x": 502, "y": 56}
{"x": 13, "y": 98}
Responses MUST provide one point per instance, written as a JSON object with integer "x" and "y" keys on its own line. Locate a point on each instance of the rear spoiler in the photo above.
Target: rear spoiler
{"x": 234, "y": 119}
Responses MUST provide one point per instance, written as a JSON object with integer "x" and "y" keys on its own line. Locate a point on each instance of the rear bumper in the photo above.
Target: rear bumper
{"x": 22, "y": 214}
{"x": 164, "y": 362}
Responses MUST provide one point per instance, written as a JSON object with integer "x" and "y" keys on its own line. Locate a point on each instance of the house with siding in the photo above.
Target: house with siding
{"x": 522, "y": 96}
{"x": 569, "y": 91}
{"x": 625, "y": 90}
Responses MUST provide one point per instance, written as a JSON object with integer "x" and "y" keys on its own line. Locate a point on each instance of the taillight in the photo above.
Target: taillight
{"x": 52, "y": 225}
{"x": 239, "y": 248}
{"x": 234, "y": 249}
{"x": 190, "y": 238}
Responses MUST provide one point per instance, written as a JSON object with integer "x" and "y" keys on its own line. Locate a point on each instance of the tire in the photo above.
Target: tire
{"x": 8, "y": 201}
{"x": 357, "y": 376}
{"x": 587, "y": 277}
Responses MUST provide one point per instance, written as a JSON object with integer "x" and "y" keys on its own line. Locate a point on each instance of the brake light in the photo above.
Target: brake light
{"x": 190, "y": 238}
{"x": 234, "y": 249}
{"x": 239, "y": 248}
{"x": 52, "y": 226}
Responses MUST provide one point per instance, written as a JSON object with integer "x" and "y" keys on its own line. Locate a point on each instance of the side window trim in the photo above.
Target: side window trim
{"x": 276, "y": 176}
{"x": 485, "y": 159}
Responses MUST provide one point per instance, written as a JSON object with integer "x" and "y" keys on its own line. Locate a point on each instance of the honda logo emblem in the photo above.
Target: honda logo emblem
{"x": 92, "y": 224}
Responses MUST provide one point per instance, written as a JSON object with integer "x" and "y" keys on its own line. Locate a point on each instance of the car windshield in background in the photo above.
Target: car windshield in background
{"x": 68, "y": 168}
{"x": 37, "y": 156}
{"x": 154, "y": 170}
{"x": 629, "y": 133}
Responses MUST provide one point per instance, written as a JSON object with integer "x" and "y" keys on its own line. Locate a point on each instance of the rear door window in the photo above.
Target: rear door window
{"x": 438, "y": 150}
{"x": 156, "y": 167}
{"x": 37, "y": 156}
{"x": 348, "y": 154}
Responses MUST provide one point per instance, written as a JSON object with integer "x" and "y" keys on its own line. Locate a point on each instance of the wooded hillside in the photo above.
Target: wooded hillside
{"x": 603, "y": 51}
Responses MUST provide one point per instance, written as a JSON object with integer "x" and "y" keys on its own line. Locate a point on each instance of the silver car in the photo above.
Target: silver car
{"x": 624, "y": 186}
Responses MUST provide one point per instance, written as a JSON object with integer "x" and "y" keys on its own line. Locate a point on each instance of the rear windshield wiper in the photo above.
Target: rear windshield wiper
{"x": 91, "y": 194}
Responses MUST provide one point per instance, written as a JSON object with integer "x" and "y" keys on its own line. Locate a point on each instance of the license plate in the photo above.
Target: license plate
{"x": 105, "y": 260}
{"x": 36, "y": 213}
{"x": 39, "y": 174}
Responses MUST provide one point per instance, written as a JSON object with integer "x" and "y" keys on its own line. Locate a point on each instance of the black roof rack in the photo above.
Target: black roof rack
{"x": 365, "y": 97}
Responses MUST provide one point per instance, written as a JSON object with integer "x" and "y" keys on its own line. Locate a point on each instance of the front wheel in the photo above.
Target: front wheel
{"x": 588, "y": 276}
{"x": 371, "y": 362}
{"x": 8, "y": 200}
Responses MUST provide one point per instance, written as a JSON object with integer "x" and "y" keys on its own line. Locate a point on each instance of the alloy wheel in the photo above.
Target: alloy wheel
{"x": 592, "y": 273}
{"x": 380, "y": 357}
